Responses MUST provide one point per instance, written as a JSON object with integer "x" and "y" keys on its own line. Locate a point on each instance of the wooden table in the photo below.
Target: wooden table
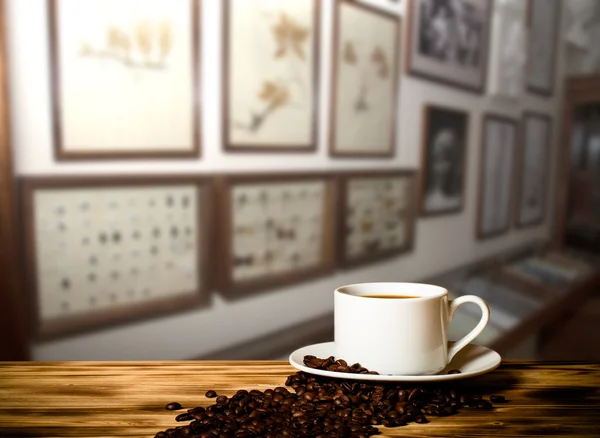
{"x": 127, "y": 399}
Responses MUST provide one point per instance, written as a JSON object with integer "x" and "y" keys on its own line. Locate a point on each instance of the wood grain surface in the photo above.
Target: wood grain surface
{"x": 127, "y": 399}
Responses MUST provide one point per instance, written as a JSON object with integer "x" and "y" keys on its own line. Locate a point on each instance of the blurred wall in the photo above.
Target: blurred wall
{"x": 441, "y": 243}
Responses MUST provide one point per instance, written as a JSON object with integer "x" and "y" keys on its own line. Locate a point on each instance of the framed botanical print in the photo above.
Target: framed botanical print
{"x": 376, "y": 215}
{"x": 365, "y": 80}
{"x": 274, "y": 230}
{"x": 271, "y": 63}
{"x": 533, "y": 172}
{"x": 448, "y": 41}
{"x": 125, "y": 78}
{"x": 445, "y": 145}
{"x": 392, "y": 6}
{"x": 102, "y": 250}
{"x": 496, "y": 175}
{"x": 543, "y": 16}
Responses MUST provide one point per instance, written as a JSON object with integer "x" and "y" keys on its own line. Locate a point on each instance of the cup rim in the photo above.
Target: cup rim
{"x": 442, "y": 291}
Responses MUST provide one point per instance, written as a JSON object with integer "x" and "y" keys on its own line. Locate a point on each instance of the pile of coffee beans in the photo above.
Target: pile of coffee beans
{"x": 321, "y": 407}
{"x": 339, "y": 366}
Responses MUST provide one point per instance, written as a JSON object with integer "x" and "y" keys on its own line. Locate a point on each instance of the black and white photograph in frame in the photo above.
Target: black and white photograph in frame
{"x": 534, "y": 169}
{"x": 500, "y": 137}
{"x": 508, "y": 49}
{"x": 445, "y": 137}
{"x": 543, "y": 35}
{"x": 448, "y": 41}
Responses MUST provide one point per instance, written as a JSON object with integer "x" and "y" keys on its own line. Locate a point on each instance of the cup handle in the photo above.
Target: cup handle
{"x": 485, "y": 317}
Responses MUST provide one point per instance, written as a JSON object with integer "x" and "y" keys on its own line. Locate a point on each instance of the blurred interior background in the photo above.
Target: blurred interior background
{"x": 193, "y": 179}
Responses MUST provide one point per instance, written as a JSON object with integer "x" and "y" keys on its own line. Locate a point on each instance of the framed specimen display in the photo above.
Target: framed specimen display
{"x": 125, "y": 78}
{"x": 365, "y": 81}
{"x": 106, "y": 250}
{"x": 271, "y": 63}
{"x": 445, "y": 136}
{"x": 544, "y": 25}
{"x": 448, "y": 41}
{"x": 274, "y": 230}
{"x": 496, "y": 175}
{"x": 376, "y": 215}
{"x": 533, "y": 172}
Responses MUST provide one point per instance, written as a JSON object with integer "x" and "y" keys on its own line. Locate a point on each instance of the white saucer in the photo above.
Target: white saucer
{"x": 473, "y": 360}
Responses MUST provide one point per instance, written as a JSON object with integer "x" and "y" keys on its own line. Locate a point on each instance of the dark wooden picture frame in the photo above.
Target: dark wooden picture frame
{"x": 436, "y": 73}
{"x": 160, "y": 306}
{"x": 231, "y": 146}
{"x": 463, "y": 145}
{"x": 345, "y": 179}
{"x": 15, "y": 344}
{"x": 227, "y": 285}
{"x": 487, "y": 118}
{"x": 579, "y": 92}
{"x": 63, "y": 154}
{"x": 521, "y": 169}
{"x": 394, "y": 72}
{"x": 533, "y": 55}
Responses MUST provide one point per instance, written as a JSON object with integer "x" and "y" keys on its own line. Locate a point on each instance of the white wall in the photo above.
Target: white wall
{"x": 441, "y": 243}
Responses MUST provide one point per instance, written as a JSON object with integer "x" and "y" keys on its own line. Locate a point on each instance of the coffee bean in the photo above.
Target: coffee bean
{"x": 184, "y": 417}
{"x": 455, "y": 371}
{"x": 497, "y": 398}
{"x": 339, "y": 365}
{"x": 174, "y": 406}
{"x": 321, "y": 407}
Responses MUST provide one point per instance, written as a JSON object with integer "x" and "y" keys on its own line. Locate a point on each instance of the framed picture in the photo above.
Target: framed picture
{"x": 377, "y": 215}
{"x": 496, "y": 175}
{"x": 271, "y": 62}
{"x": 274, "y": 230}
{"x": 392, "y": 6}
{"x": 364, "y": 89}
{"x": 445, "y": 137}
{"x": 125, "y": 78}
{"x": 448, "y": 41}
{"x": 102, "y": 250}
{"x": 533, "y": 172}
{"x": 508, "y": 49}
{"x": 544, "y": 25}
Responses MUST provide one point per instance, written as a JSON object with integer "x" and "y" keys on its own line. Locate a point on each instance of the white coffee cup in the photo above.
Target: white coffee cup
{"x": 403, "y": 336}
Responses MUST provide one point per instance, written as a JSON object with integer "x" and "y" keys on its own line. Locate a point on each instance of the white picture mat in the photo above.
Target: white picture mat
{"x": 542, "y": 44}
{"x": 252, "y": 61}
{"x": 377, "y": 201}
{"x": 498, "y": 172}
{"x": 108, "y": 107}
{"x": 534, "y": 169}
{"x": 467, "y": 77}
{"x": 508, "y": 53}
{"x": 370, "y": 131}
{"x": 302, "y": 212}
{"x": 69, "y": 225}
